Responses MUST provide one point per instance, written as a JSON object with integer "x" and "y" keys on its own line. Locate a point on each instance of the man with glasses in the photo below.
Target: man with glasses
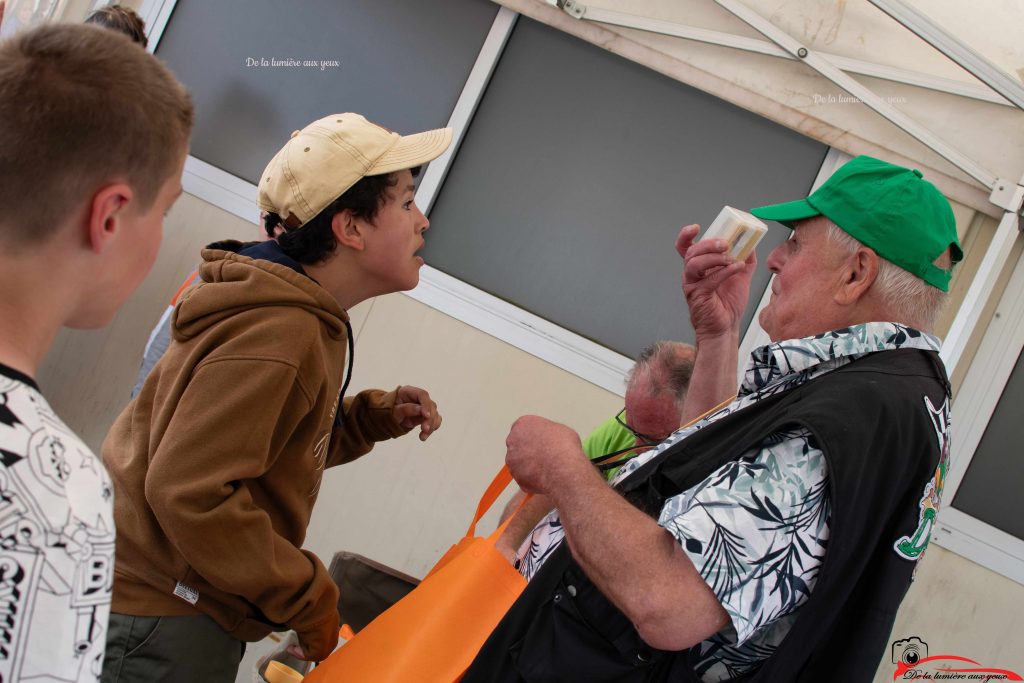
{"x": 655, "y": 392}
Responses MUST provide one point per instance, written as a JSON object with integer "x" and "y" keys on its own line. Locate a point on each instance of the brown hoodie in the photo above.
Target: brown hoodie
{"x": 217, "y": 462}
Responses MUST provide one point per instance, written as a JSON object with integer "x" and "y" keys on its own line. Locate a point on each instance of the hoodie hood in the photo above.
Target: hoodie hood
{"x": 233, "y": 283}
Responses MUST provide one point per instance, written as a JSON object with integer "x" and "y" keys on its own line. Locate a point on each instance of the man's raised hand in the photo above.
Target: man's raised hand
{"x": 716, "y": 286}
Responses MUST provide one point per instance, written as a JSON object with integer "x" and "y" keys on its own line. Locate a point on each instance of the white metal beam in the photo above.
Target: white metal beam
{"x": 984, "y": 283}
{"x": 465, "y": 107}
{"x": 765, "y": 47}
{"x": 156, "y": 14}
{"x": 946, "y": 43}
{"x": 980, "y": 393}
{"x": 865, "y": 95}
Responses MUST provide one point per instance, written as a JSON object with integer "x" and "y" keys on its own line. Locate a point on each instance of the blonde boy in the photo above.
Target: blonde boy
{"x": 93, "y": 137}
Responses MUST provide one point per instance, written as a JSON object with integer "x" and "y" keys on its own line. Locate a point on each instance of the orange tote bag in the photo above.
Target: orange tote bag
{"x": 434, "y": 633}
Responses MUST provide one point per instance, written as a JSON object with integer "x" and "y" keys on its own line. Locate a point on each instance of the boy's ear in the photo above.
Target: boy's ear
{"x": 347, "y": 230}
{"x": 106, "y": 214}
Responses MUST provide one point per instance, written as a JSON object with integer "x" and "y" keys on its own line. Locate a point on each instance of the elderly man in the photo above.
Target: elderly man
{"x": 774, "y": 539}
{"x": 653, "y": 406}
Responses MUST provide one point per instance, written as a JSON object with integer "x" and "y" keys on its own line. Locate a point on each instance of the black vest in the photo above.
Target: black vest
{"x": 881, "y": 447}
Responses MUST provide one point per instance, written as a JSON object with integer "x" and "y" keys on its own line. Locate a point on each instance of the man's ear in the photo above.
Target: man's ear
{"x": 859, "y": 272}
{"x": 106, "y": 214}
{"x": 348, "y": 231}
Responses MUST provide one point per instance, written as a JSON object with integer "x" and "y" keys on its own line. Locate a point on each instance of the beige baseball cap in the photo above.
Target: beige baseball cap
{"x": 323, "y": 160}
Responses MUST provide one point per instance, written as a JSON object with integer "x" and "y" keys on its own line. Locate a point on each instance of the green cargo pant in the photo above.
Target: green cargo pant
{"x": 171, "y": 649}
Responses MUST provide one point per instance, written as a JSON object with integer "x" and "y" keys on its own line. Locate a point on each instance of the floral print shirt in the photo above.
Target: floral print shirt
{"x": 757, "y": 528}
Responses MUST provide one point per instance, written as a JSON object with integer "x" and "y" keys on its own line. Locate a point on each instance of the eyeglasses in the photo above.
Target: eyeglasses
{"x": 645, "y": 439}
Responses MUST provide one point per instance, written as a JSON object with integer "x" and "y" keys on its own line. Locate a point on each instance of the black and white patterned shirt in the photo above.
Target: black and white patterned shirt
{"x": 756, "y": 529}
{"x": 56, "y": 543}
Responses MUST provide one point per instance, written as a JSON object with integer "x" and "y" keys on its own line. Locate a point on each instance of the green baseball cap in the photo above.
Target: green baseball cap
{"x": 888, "y": 208}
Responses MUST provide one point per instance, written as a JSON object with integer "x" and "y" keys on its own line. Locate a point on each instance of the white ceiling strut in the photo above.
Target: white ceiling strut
{"x": 859, "y": 66}
{"x": 946, "y": 43}
{"x": 822, "y": 63}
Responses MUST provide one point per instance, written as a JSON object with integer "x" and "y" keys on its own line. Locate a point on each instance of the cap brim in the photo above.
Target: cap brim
{"x": 787, "y": 213}
{"x": 413, "y": 150}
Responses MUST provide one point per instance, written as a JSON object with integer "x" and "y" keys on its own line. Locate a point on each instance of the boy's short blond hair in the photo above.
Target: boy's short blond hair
{"x": 82, "y": 106}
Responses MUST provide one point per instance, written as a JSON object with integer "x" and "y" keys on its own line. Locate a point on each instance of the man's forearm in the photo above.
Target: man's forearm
{"x": 637, "y": 564}
{"x": 714, "y": 375}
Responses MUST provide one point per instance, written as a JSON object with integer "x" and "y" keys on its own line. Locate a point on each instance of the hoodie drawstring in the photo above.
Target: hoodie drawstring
{"x": 339, "y": 416}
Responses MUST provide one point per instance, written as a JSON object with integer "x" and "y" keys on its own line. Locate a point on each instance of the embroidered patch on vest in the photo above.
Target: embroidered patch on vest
{"x": 186, "y": 593}
{"x": 912, "y": 547}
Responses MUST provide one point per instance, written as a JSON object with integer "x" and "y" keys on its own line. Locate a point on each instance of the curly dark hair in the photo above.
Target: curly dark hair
{"x": 314, "y": 241}
{"x": 121, "y": 19}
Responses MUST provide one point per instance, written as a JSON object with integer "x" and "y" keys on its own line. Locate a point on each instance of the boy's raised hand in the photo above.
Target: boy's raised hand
{"x": 413, "y": 406}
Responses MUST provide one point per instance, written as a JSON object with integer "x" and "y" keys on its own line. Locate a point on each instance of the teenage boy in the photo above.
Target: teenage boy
{"x": 93, "y": 137}
{"x": 217, "y": 462}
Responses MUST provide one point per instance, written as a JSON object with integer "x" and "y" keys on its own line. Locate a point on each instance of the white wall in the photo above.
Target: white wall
{"x": 406, "y": 502}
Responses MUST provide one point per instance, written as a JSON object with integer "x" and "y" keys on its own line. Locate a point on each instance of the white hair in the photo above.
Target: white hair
{"x": 910, "y": 299}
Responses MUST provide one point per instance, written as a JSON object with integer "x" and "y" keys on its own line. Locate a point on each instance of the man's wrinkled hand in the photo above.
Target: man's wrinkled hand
{"x": 716, "y": 285}
{"x": 413, "y": 406}
{"x": 541, "y": 453}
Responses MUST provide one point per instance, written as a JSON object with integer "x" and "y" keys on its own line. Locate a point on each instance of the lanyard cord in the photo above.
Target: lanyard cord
{"x": 339, "y": 415}
{"x": 604, "y": 462}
